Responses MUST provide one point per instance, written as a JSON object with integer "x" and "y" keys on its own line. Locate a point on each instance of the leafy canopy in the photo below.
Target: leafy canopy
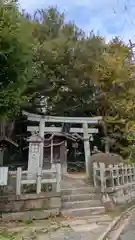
{"x": 15, "y": 58}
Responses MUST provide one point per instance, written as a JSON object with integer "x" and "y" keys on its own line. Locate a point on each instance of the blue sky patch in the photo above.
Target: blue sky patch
{"x": 109, "y": 18}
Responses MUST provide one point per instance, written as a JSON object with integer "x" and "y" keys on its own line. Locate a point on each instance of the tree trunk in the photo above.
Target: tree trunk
{"x": 1, "y": 157}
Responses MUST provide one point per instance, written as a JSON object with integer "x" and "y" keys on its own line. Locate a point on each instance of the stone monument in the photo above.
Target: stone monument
{"x": 34, "y": 158}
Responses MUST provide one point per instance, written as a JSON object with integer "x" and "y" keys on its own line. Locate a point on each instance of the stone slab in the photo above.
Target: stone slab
{"x": 80, "y": 212}
{"x": 32, "y": 196}
{"x": 31, "y": 204}
{"x": 30, "y": 215}
{"x": 100, "y": 220}
{"x": 81, "y": 204}
{"x": 69, "y": 234}
{"x": 84, "y": 227}
{"x": 74, "y": 222}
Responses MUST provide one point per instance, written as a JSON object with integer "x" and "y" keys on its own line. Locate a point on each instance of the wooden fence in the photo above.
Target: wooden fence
{"x": 49, "y": 176}
{"x": 114, "y": 176}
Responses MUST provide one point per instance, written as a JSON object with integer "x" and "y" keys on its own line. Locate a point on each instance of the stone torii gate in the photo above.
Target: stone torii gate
{"x": 85, "y": 121}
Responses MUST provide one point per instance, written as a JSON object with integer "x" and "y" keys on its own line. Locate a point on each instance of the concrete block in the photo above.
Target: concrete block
{"x": 55, "y": 202}
{"x": 31, "y": 204}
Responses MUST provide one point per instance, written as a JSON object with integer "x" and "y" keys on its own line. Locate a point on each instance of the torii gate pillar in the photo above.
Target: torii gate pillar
{"x": 87, "y": 149}
{"x": 41, "y": 133}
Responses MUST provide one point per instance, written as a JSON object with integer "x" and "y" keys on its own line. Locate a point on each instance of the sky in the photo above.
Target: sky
{"x": 108, "y": 18}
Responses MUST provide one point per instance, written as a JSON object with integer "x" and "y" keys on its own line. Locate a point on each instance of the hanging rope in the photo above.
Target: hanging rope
{"x": 50, "y": 138}
{"x": 54, "y": 144}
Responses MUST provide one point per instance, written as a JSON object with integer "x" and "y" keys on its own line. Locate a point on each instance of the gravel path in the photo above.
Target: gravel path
{"x": 71, "y": 234}
{"x": 72, "y": 230}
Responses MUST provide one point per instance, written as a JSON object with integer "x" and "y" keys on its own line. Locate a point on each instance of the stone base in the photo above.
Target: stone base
{"x": 30, "y": 202}
{"x": 30, "y": 207}
{"x": 108, "y": 203}
{"x": 30, "y": 215}
{"x": 123, "y": 195}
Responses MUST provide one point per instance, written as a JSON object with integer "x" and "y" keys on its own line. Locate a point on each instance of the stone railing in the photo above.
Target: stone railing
{"x": 49, "y": 176}
{"x": 35, "y": 196}
{"x": 112, "y": 177}
{"x": 116, "y": 180}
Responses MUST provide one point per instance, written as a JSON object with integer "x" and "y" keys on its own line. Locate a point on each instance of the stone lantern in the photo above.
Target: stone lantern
{"x": 34, "y": 157}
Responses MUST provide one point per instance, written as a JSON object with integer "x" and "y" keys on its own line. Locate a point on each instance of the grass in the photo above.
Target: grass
{"x": 28, "y": 222}
{"x": 5, "y": 235}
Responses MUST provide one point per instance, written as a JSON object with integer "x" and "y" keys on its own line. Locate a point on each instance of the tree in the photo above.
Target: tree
{"x": 116, "y": 93}
{"x": 15, "y": 59}
{"x": 16, "y": 54}
{"x": 64, "y": 59}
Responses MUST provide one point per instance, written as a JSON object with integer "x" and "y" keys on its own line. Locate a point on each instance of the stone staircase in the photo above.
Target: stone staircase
{"x": 79, "y": 199}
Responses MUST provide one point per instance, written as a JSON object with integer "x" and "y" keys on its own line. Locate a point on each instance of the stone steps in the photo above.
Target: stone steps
{"x": 74, "y": 183}
{"x": 102, "y": 218}
{"x": 81, "y": 212}
{"x": 80, "y": 190}
{"x": 80, "y": 197}
{"x": 94, "y": 218}
{"x": 81, "y": 204}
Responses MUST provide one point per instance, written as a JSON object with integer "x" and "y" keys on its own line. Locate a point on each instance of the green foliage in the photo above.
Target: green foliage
{"x": 64, "y": 60}
{"x": 15, "y": 59}
{"x": 5, "y": 235}
{"x": 117, "y": 92}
